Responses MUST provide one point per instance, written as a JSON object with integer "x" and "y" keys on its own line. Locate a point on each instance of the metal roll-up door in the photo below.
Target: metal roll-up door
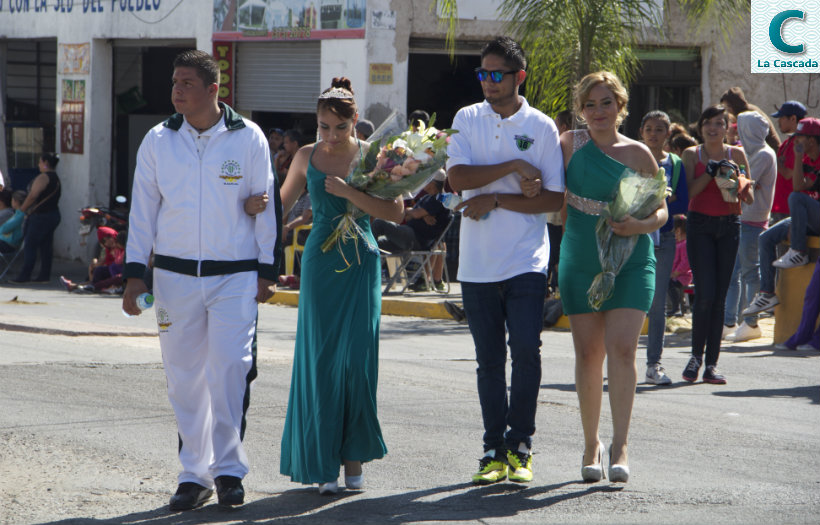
{"x": 278, "y": 76}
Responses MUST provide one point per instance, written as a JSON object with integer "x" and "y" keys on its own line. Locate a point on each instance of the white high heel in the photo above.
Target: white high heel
{"x": 595, "y": 472}
{"x": 617, "y": 473}
{"x": 354, "y": 482}
{"x": 331, "y": 487}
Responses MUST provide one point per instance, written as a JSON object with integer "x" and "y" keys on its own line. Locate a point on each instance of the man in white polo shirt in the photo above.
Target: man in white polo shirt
{"x": 507, "y": 161}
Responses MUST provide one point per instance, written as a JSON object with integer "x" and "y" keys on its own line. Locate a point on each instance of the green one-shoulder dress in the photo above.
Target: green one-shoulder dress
{"x": 332, "y": 405}
{"x": 594, "y": 175}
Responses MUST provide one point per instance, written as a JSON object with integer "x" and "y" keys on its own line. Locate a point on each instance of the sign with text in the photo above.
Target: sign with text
{"x": 288, "y": 19}
{"x": 72, "y": 116}
{"x": 381, "y": 73}
{"x": 224, "y": 54}
{"x": 785, "y": 36}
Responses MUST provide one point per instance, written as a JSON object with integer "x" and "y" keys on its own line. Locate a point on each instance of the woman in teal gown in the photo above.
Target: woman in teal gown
{"x": 332, "y": 418}
{"x": 595, "y": 159}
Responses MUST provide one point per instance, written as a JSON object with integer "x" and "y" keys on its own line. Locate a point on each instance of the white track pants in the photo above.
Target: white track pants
{"x": 206, "y": 331}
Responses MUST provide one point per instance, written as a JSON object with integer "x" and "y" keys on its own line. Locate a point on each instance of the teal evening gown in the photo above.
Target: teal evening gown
{"x": 332, "y": 405}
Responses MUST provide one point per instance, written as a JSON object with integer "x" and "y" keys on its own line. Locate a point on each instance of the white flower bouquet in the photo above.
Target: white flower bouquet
{"x": 637, "y": 196}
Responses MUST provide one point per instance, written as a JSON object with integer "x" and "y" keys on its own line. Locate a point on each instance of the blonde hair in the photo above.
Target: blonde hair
{"x": 609, "y": 80}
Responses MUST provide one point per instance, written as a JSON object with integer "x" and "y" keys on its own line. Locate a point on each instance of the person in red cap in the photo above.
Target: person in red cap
{"x": 788, "y": 115}
{"x": 804, "y": 220}
{"x": 100, "y": 270}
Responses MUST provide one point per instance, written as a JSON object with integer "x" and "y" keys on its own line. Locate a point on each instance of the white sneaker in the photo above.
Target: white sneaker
{"x": 761, "y": 303}
{"x": 781, "y": 347}
{"x": 791, "y": 259}
{"x": 656, "y": 375}
{"x": 745, "y": 332}
{"x": 807, "y": 346}
{"x": 728, "y": 331}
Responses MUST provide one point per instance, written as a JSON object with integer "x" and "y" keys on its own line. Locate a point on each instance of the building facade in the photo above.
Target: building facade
{"x": 88, "y": 78}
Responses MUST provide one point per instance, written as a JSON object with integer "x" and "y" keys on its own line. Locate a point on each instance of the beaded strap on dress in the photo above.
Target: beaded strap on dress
{"x": 580, "y": 137}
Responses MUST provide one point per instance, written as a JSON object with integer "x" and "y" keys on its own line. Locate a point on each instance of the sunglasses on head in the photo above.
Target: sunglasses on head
{"x": 495, "y": 76}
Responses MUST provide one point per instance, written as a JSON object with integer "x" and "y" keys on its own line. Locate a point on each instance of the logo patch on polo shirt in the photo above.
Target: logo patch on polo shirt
{"x": 523, "y": 142}
{"x": 231, "y": 173}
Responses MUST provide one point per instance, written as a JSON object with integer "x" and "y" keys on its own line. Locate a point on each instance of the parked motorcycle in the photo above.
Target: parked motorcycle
{"x": 92, "y": 217}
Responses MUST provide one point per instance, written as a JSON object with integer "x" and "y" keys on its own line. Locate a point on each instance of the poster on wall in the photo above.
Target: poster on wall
{"x": 74, "y": 59}
{"x": 288, "y": 19}
{"x": 72, "y": 116}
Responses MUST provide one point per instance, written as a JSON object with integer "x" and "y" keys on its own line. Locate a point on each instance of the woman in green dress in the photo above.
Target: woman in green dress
{"x": 595, "y": 159}
{"x": 332, "y": 418}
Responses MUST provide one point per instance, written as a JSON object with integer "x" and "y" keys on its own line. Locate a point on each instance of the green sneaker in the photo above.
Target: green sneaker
{"x": 491, "y": 469}
{"x": 520, "y": 466}
{"x": 440, "y": 286}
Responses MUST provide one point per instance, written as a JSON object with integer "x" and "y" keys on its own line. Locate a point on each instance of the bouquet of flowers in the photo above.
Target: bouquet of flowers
{"x": 401, "y": 164}
{"x": 637, "y": 196}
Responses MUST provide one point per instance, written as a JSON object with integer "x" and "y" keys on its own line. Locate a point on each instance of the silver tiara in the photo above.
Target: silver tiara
{"x": 336, "y": 93}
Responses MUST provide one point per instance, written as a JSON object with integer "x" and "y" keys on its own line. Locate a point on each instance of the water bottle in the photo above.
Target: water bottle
{"x": 144, "y": 301}
{"x": 449, "y": 200}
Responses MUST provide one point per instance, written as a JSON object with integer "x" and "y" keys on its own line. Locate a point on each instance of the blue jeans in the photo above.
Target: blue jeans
{"x": 39, "y": 236}
{"x": 767, "y": 252}
{"x": 711, "y": 243}
{"x": 514, "y": 308}
{"x": 664, "y": 258}
{"x": 745, "y": 281}
{"x": 805, "y": 219}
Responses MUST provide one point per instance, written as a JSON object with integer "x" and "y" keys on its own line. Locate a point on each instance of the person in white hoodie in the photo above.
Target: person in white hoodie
{"x": 753, "y": 129}
{"x": 212, "y": 263}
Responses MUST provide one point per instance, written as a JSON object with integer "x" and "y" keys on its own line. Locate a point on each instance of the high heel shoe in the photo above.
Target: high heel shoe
{"x": 595, "y": 472}
{"x": 331, "y": 487}
{"x": 617, "y": 473}
{"x": 354, "y": 482}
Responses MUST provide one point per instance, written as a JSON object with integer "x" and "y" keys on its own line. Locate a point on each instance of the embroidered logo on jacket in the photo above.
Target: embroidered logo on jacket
{"x": 523, "y": 142}
{"x": 231, "y": 173}
{"x": 163, "y": 319}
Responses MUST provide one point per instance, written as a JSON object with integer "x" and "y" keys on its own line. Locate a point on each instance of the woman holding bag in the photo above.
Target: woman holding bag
{"x": 41, "y": 205}
{"x": 712, "y": 236}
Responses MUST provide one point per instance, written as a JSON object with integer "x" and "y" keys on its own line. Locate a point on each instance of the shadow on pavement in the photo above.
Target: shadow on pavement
{"x": 812, "y": 393}
{"x": 461, "y": 502}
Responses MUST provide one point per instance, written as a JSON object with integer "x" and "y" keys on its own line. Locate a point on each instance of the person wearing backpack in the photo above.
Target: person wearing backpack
{"x": 654, "y": 132}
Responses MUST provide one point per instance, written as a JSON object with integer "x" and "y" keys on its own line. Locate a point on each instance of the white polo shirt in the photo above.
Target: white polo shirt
{"x": 506, "y": 243}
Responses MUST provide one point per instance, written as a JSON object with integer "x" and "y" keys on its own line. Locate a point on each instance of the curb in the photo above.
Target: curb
{"x": 390, "y": 305}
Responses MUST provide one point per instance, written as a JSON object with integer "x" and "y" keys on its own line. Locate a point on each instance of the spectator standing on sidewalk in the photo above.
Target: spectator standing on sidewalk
{"x": 712, "y": 236}
{"x": 506, "y": 160}
{"x": 754, "y": 219}
{"x": 804, "y": 220}
{"x": 194, "y": 173}
{"x": 789, "y": 114}
{"x": 43, "y": 210}
{"x": 654, "y": 132}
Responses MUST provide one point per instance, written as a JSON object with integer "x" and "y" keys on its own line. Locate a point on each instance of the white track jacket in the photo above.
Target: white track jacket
{"x": 192, "y": 208}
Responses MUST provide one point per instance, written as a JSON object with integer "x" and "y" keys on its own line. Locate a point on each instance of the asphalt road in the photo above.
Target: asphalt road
{"x": 87, "y": 435}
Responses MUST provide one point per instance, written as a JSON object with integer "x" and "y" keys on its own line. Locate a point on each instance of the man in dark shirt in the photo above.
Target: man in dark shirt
{"x": 424, "y": 223}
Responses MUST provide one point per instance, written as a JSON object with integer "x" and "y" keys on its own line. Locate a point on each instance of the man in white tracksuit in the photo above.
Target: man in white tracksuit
{"x": 212, "y": 263}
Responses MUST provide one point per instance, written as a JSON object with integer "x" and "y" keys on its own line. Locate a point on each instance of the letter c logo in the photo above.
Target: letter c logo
{"x": 776, "y": 28}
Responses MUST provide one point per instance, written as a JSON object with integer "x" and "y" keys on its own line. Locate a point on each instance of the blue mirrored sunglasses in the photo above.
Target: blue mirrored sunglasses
{"x": 495, "y": 76}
